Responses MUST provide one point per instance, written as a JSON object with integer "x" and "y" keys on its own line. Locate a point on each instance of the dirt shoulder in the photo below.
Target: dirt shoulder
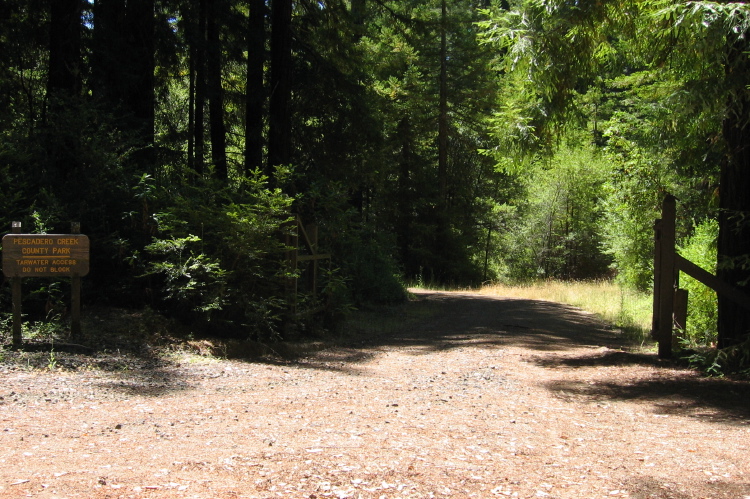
{"x": 465, "y": 396}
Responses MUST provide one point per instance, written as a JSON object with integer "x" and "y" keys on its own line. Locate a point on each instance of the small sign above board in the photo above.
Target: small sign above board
{"x": 45, "y": 255}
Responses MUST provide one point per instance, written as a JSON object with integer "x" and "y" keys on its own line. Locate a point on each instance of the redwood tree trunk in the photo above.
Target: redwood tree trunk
{"x": 358, "y": 13}
{"x": 734, "y": 216}
{"x": 443, "y": 110}
{"x": 215, "y": 92}
{"x": 199, "y": 51}
{"x": 65, "y": 48}
{"x": 442, "y": 208}
{"x": 279, "y": 133}
{"x": 109, "y": 41}
{"x": 405, "y": 198}
{"x": 254, "y": 92}
{"x": 123, "y": 69}
{"x": 139, "y": 90}
{"x": 64, "y": 84}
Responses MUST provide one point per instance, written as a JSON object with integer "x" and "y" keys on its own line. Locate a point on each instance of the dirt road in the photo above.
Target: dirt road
{"x": 480, "y": 397}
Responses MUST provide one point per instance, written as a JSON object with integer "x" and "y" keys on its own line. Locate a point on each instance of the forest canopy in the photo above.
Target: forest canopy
{"x": 454, "y": 142}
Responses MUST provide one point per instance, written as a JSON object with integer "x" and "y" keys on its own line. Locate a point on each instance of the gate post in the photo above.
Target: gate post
{"x": 664, "y": 277}
{"x": 291, "y": 241}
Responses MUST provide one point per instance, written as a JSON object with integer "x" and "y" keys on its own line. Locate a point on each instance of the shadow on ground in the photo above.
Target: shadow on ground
{"x": 564, "y": 338}
{"x": 440, "y": 320}
{"x": 644, "y": 487}
{"x": 456, "y": 320}
{"x": 675, "y": 390}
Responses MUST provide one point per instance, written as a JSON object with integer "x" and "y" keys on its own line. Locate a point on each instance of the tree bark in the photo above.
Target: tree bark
{"x": 64, "y": 84}
{"x": 65, "y": 48}
{"x": 443, "y": 108}
{"x": 405, "y": 201}
{"x": 191, "y": 111}
{"x": 254, "y": 90}
{"x": 358, "y": 12}
{"x": 279, "y": 133}
{"x": 215, "y": 92}
{"x": 734, "y": 203}
{"x": 109, "y": 20}
{"x": 199, "y": 49}
{"x": 140, "y": 95}
{"x": 441, "y": 208}
{"x": 123, "y": 71}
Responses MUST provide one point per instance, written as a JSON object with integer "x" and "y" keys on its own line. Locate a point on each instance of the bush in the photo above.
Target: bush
{"x": 216, "y": 256}
{"x": 557, "y": 232}
{"x": 700, "y": 248}
{"x": 730, "y": 360}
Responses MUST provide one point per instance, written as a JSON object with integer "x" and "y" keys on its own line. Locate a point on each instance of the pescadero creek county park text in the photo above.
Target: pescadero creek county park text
{"x": 46, "y": 255}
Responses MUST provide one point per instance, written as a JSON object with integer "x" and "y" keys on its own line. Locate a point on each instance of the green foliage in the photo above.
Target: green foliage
{"x": 700, "y": 248}
{"x": 232, "y": 273}
{"x": 663, "y": 89}
{"x": 373, "y": 272}
{"x": 719, "y": 362}
{"x": 193, "y": 280}
{"x": 657, "y": 132}
{"x": 557, "y": 233}
{"x": 652, "y": 152}
{"x": 439, "y": 219}
{"x": 365, "y": 270}
{"x": 632, "y": 203}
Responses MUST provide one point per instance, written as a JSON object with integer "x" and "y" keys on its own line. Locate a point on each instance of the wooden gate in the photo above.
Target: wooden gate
{"x": 671, "y": 302}
{"x": 303, "y": 262}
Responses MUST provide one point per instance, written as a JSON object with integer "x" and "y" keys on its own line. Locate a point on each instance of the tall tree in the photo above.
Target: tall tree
{"x": 254, "y": 88}
{"x": 442, "y": 171}
{"x": 358, "y": 13}
{"x": 215, "y": 90}
{"x": 139, "y": 96}
{"x": 436, "y": 74}
{"x": 198, "y": 55}
{"x": 65, "y": 62}
{"x": 279, "y": 133}
{"x": 734, "y": 207}
{"x": 64, "y": 82}
{"x": 124, "y": 65}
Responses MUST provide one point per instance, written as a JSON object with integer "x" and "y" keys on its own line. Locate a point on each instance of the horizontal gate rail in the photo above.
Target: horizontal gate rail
{"x": 670, "y": 302}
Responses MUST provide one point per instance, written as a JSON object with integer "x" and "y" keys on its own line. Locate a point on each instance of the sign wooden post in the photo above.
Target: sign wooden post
{"x": 16, "y": 285}
{"x": 45, "y": 255}
{"x": 75, "y": 293}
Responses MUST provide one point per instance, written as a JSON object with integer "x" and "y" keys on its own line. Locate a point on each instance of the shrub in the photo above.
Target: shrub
{"x": 700, "y": 248}
{"x": 216, "y": 256}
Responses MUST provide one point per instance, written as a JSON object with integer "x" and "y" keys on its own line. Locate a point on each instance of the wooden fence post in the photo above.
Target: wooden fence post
{"x": 17, "y": 296}
{"x": 311, "y": 231}
{"x": 291, "y": 240}
{"x": 657, "y": 280}
{"x": 680, "y": 312}
{"x": 75, "y": 294}
{"x": 664, "y": 278}
{"x": 306, "y": 236}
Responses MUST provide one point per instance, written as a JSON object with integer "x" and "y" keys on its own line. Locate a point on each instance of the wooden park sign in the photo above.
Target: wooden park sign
{"x": 45, "y": 255}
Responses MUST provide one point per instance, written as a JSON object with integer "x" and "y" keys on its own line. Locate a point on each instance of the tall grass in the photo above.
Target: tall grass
{"x": 626, "y": 309}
